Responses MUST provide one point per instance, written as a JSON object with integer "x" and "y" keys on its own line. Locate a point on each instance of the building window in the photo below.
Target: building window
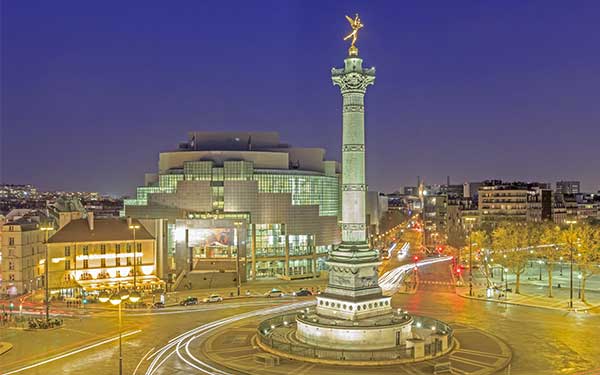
{"x": 11, "y": 266}
{"x": 67, "y": 251}
{"x": 139, "y": 247}
{"x": 102, "y": 249}
{"x": 11, "y": 277}
{"x": 85, "y": 250}
{"x": 11, "y": 241}
{"x": 85, "y": 263}
{"x": 103, "y": 262}
{"x": 117, "y": 253}
{"x": 67, "y": 264}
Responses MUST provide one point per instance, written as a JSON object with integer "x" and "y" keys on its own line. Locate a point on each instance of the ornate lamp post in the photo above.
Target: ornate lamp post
{"x": 134, "y": 227}
{"x": 506, "y": 286}
{"x": 571, "y": 222}
{"x": 470, "y": 219}
{"x": 116, "y": 300}
{"x": 238, "y": 225}
{"x": 46, "y": 228}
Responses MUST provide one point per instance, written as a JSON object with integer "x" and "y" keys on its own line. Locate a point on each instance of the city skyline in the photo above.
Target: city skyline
{"x": 443, "y": 229}
{"x": 103, "y": 90}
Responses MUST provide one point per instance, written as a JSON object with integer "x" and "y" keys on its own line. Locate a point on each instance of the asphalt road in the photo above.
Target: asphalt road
{"x": 543, "y": 341}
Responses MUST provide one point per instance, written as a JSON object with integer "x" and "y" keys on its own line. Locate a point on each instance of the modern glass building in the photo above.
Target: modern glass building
{"x": 223, "y": 193}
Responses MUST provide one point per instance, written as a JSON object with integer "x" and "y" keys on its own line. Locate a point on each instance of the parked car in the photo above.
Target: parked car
{"x": 189, "y": 301}
{"x": 158, "y": 305}
{"x": 213, "y": 298}
{"x": 274, "y": 293}
{"x": 303, "y": 293}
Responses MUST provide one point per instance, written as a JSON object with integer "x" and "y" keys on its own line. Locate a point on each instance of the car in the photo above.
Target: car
{"x": 189, "y": 301}
{"x": 274, "y": 293}
{"x": 303, "y": 293}
{"x": 213, "y": 298}
{"x": 158, "y": 305}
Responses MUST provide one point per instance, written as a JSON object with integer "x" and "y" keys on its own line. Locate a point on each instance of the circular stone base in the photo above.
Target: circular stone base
{"x": 378, "y": 333}
{"x": 233, "y": 348}
{"x": 383, "y": 340}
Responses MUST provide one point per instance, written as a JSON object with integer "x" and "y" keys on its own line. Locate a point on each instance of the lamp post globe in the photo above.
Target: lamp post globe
{"x": 124, "y": 294}
{"x": 116, "y": 299}
{"x": 135, "y": 296}
{"x": 103, "y": 297}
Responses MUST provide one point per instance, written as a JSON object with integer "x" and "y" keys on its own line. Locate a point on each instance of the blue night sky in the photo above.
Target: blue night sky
{"x": 92, "y": 91}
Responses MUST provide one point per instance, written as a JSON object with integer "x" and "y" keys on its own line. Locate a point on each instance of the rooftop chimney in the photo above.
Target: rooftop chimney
{"x": 90, "y": 218}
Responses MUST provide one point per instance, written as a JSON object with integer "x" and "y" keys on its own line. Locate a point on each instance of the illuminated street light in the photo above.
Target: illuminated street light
{"x": 46, "y": 229}
{"x": 103, "y": 297}
{"x": 123, "y": 294}
{"x": 135, "y": 296}
{"x": 571, "y": 223}
{"x": 117, "y": 299}
{"x": 134, "y": 227}
{"x": 238, "y": 226}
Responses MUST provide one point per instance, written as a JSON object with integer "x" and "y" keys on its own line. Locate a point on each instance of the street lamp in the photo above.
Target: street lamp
{"x": 506, "y": 286}
{"x": 561, "y": 265}
{"x": 46, "y": 229}
{"x": 116, "y": 300}
{"x": 238, "y": 225}
{"x": 540, "y": 262}
{"x": 470, "y": 256}
{"x": 571, "y": 222}
{"x": 134, "y": 227}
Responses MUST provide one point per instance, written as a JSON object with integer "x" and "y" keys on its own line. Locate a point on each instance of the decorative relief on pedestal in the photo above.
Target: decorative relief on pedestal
{"x": 341, "y": 279}
{"x": 365, "y": 282}
{"x": 350, "y": 147}
{"x": 353, "y": 226}
{"x": 353, "y": 81}
{"x": 354, "y": 187}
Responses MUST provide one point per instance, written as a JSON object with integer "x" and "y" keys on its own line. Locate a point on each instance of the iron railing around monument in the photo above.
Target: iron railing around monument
{"x": 284, "y": 341}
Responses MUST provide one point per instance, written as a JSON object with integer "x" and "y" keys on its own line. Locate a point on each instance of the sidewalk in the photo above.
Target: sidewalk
{"x": 529, "y": 300}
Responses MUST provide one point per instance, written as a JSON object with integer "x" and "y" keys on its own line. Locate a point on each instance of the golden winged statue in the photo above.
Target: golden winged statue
{"x": 356, "y": 25}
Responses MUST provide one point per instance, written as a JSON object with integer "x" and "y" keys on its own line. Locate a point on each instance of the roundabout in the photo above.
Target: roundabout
{"x": 232, "y": 348}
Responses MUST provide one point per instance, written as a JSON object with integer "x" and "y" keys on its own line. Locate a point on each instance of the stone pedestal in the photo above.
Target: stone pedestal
{"x": 418, "y": 346}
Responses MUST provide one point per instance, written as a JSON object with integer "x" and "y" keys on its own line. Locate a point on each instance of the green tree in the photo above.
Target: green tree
{"x": 510, "y": 239}
{"x": 480, "y": 240}
{"x": 588, "y": 253}
{"x": 551, "y": 237}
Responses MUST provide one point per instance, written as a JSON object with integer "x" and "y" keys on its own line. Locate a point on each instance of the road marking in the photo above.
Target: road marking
{"x": 140, "y": 362}
{"x": 73, "y": 352}
{"x": 483, "y": 354}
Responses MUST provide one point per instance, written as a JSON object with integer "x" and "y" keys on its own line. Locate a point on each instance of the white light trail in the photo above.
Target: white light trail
{"x": 403, "y": 252}
{"x": 180, "y": 344}
{"x": 391, "y": 280}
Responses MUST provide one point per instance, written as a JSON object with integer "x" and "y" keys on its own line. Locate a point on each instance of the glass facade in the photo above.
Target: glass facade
{"x": 306, "y": 189}
{"x": 270, "y": 240}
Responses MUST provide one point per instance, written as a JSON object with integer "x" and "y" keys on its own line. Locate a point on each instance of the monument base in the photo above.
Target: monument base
{"x": 380, "y": 332}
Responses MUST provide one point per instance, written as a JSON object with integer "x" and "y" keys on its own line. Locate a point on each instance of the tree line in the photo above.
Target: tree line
{"x": 512, "y": 245}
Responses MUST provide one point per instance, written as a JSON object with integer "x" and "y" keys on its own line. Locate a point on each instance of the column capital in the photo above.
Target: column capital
{"x": 352, "y": 78}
